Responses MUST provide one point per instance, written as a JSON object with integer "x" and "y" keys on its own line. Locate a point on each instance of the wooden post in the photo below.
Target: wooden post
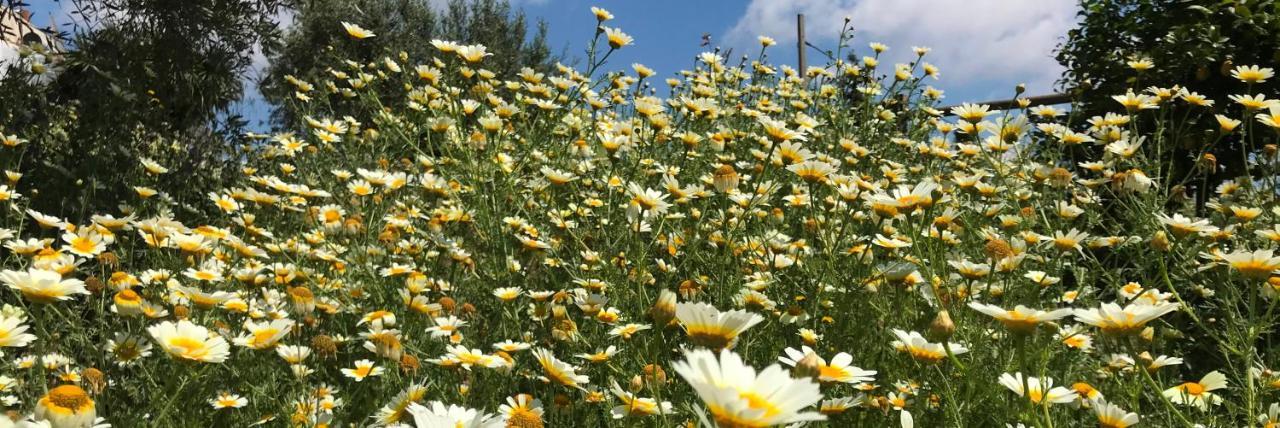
{"x": 800, "y": 42}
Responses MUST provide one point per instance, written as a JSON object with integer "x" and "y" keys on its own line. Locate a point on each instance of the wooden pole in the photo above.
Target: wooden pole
{"x": 800, "y": 42}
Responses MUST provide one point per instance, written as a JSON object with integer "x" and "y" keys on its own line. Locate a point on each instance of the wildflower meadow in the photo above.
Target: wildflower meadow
{"x": 744, "y": 244}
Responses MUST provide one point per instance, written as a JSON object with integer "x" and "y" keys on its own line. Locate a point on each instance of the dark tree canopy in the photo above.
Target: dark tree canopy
{"x": 139, "y": 78}
{"x": 1193, "y": 44}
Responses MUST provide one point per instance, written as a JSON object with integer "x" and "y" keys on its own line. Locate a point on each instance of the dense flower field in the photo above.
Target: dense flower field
{"x": 763, "y": 246}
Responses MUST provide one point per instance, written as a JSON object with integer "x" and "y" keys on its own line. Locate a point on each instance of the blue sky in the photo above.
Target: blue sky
{"x": 984, "y": 47}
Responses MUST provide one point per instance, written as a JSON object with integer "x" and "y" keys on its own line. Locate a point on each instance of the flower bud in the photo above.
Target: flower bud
{"x": 809, "y": 366}
{"x": 725, "y": 178}
{"x": 942, "y": 327}
{"x": 1160, "y": 241}
{"x": 409, "y": 363}
{"x": 181, "y": 312}
{"x": 664, "y": 309}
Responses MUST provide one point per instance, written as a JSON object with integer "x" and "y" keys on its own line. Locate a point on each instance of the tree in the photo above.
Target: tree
{"x": 141, "y": 79}
{"x": 316, "y": 45}
{"x": 1194, "y": 44}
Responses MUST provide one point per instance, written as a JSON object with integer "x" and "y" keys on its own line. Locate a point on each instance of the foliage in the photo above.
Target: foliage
{"x": 1193, "y": 44}
{"x": 141, "y": 78}
{"x": 404, "y": 29}
{"x": 560, "y": 248}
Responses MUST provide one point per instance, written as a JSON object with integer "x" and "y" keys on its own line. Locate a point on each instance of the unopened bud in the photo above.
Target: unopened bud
{"x": 664, "y": 310}
{"x": 725, "y": 178}
{"x": 942, "y": 327}
{"x": 409, "y": 363}
{"x": 1160, "y": 241}
{"x": 809, "y": 366}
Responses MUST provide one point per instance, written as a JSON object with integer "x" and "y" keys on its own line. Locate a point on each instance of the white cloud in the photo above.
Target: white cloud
{"x": 974, "y": 42}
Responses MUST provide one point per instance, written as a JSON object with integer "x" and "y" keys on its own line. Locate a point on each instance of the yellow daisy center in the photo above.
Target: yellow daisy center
{"x": 1193, "y": 388}
{"x": 68, "y": 399}
{"x": 521, "y": 417}
{"x": 190, "y": 347}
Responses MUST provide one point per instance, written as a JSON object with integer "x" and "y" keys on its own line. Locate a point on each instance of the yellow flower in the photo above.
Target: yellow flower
{"x": 152, "y": 167}
{"x": 617, "y": 39}
{"x": 145, "y": 192}
{"x": 127, "y": 303}
{"x": 1252, "y": 74}
{"x": 1134, "y": 102}
{"x": 914, "y": 344}
{"x": 523, "y": 411}
{"x": 13, "y": 333}
{"x": 1198, "y": 394}
{"x": 1255, "y": 265}
{"x": 362, "y": 370}
{"x": 1021, "y": 319}
{"x": 737, "y": 395}
{"x": 10, "y": 140}
{"x": 601, "y": 14}
{"x": 356, "y": 32}
{"x": 473, "y": 53}
{"x": 42, "y": 286}
{"x": 634, "y": 406}
{"x": 812, "y": 171}
{"x": 641, "y": 70}
{"x": 1271, "y": 118}
{"x": 1226, "y": 124}
{"x": 707, "y": 326}
{"x": 264, "y": 335}
{"x": 224, "y": 202}
{"x": 1253, "y": 102}
{"x": 971, "y": 113}
{"x": 1112, "y": 319}
{"x": 840, "y": 369}
{"x": 189, "y": 341}
{"x": 86, "y": 242}
{"x": 1039, "y": 391}
{"x": 228, "y": 400}
{"x": 559, "y": 372}
{"x": 1141, "y": 65}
